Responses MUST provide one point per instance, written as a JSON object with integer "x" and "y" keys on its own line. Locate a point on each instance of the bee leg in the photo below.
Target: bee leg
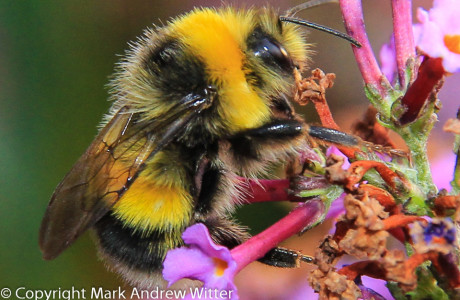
{"x": 277, "y": 129}
{"x": 284, "y": 258}
{"x": 333, "y": 136}
{"x": 255, "y": 143}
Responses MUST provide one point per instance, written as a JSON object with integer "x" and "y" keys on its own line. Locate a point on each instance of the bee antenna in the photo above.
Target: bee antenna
{"x": 321, "y": 28}
{"x": 307, "y": 5}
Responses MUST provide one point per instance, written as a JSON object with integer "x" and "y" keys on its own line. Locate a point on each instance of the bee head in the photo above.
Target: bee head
{"x": 246, "y": 56}
{"x": 249, "y": 57}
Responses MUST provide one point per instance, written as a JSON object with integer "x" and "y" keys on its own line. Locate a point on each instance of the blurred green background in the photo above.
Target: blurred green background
{"x": 55, "y": 60}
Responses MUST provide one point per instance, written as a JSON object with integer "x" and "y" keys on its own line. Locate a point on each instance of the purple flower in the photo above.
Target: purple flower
{"x": 439, "y": 230}
{"x": 303, "y": 291}
{"x": 438, "y": 35}
{"x": 376, "y": 285}
{"x": 334, "y": 150}
{"x": 435, "y": 235}
{"x": 337, "y": 208}
{"x": 443, "y": 170}
{"x": 216, "y": 266}
{"x": 388, "y": 59}
{"x": 202, "y": 260}
{"x": 370, "y": 293}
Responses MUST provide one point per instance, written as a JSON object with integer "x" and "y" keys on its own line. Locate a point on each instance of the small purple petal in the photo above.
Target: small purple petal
{"x": 377, "y": 285}
{"x": 443, "y": 170}
{"x": 445, "y": 13}
{"x": 302, "y": 292}
{"x": 439, "y": 230}
{"x": 388, "y": 60}
{"x": 337, "y": 208}
{"x": 198, "y": 235}
{"x": 187, "y": 263}
{"x": 438, "y": 235}
{"x": 384, "y": 156}
{"x": 336, "y": 151}
{"x": 369, "y": 294}
{"x": 451, "y": 62}
{"x": 202, "y": 260}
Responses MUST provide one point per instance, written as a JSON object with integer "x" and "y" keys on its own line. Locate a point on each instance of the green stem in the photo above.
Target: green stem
{"x": 416, "y": 143}
{"x": 456, "y": 181}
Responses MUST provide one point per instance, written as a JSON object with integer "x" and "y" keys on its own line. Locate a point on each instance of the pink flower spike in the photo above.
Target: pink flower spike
{"x": 216, "y": 265}
{"x": 403, "y": 36}
{"x": 264, "y": 190}
{"x": 203, "y": 260}
{"x": 303, "y": 216}
{"x": 438, "y": 35}
{"x": 269, "y": 190}
{"x": 352, "y": 13}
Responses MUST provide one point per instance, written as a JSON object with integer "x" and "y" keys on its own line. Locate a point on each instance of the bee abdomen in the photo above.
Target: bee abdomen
{"x": 143, "y": 251}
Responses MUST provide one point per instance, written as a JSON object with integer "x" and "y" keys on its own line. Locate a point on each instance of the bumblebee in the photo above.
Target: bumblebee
{"x": 194, "y": 104}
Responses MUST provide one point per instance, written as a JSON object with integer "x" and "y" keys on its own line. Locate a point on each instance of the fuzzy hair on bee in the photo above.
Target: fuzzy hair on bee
{"x": 195, "y": 103}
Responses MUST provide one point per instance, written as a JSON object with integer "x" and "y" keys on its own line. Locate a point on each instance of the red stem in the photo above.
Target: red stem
{"x": 266, "y": 190}
{"x": 327, "y": 120}
{"x": 301, "y": 217}
{"x": 352, "y": 13}
{"x": 404, "y": 37}
{"x": 270, "y": 190}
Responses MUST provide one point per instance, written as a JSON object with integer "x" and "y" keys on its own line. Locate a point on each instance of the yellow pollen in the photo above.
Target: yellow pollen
{"x": 452, "y": 43}
{"x": 221, "y": 266}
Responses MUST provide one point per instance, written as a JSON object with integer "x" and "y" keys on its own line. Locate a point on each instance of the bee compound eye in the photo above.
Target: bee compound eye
{"x": 273, "y": 53}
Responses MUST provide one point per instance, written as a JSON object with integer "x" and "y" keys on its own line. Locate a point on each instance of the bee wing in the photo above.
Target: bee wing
{"x": 107, "y": 169}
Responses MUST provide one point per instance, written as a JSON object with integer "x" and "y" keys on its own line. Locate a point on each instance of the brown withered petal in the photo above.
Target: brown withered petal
{"x": 370, "y": 130}
{"x": 313, "y": 88}
{"x": 332, "y": 285}
{"x": 394, "y": 257}
{"x": 398, "y": 270}
{"x": 327, "y": 254}
{"x": 366, "y": 212}
{"x": 334, "y": 171}
{"x": 452, "y": 125}
{"x": 364, "y": 244}
{"x": 445, "y": 204}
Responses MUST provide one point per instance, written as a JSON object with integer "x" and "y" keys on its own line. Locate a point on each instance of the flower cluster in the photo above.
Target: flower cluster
{"x": 392, "y": 222}
{"x": 202, "y": 260}
{"x": 438, "y": 34}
